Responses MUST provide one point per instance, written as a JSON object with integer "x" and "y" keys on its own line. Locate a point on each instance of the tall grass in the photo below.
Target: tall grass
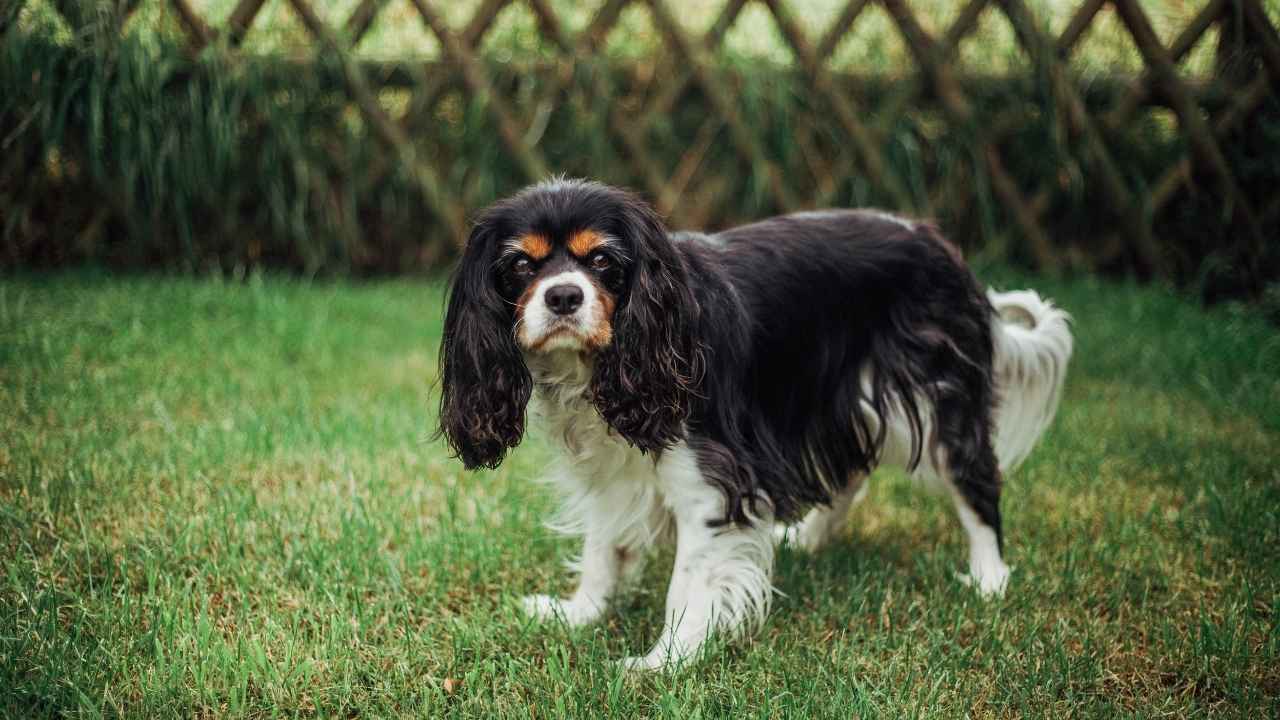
{"x": 122, "y": 148}
{"x": 136, "y": 155}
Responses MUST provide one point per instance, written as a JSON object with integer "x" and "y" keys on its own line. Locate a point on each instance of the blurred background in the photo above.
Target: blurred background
{"x": 224, "y": 229}
{"x": 357, "y": 136}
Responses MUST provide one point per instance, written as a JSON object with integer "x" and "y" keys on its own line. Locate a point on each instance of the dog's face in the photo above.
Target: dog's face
{"x": 568, "y": 266}
{"x": 565, "y": 284}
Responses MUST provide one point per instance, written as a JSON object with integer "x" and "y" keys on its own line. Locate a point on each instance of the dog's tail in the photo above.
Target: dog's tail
{"x": 1032, "y": 347}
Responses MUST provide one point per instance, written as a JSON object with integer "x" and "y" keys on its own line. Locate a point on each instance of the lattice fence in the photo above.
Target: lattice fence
{"x": 1051, "y": 168}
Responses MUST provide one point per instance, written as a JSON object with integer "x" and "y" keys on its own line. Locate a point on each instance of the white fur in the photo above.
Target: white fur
{"x": 987, "y": 571}
{"x": 865, "y": 212}
{"x": 882, "y": 215}
{"x": 1033, "y": 345}
{"x": 537, "y": 320}
{"x": 622, "y": 502}
{"x": 556, "y": 183}
{"x": 721, "y": 580}
{"x": 821, "y": 524}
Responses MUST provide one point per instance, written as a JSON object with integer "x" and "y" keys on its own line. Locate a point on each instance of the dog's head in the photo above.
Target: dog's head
{"x": 567, "y": 267}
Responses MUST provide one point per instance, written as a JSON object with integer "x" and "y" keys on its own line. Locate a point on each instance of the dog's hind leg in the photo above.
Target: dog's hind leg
{"x": 824, "y": 522}
{"x": 973, "y": 480}
{"x": 987, "y": 571}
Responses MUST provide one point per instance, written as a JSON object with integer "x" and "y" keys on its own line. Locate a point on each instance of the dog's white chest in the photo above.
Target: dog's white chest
{"x": 562, "y": 407}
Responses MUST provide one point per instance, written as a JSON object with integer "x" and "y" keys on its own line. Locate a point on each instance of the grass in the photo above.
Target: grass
{"x": 219, "y": 499}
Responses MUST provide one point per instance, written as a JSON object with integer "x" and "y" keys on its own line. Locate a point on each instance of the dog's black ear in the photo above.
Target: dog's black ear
{"x": 645, "y": 380}
{"x": 485, "y": 383}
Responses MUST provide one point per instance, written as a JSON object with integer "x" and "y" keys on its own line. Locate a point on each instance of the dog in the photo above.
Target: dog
{"x": 706, "y": 387}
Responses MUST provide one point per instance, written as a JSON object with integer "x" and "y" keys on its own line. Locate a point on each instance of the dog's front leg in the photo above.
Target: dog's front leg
{"x": 601, "y": 567}
{"x": 617, "y": 524}
{"x": 721, "y": 579}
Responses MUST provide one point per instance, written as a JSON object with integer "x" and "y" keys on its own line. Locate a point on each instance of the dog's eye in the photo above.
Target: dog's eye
{"x": 600, "y": 261}
{"x": 523, "y": 266}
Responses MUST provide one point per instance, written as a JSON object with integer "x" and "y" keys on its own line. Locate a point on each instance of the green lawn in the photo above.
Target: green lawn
{"x": 221, "y": 499}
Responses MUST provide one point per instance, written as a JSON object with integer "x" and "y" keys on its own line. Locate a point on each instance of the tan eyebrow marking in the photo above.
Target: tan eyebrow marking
{"x": 534, "y": 245}
{"x": 583, "y": 242}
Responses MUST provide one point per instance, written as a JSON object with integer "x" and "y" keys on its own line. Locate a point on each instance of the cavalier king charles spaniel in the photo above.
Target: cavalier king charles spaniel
{"x": 701, "y": 388}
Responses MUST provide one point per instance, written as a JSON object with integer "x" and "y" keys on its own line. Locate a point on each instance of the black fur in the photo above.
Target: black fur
{"x": 643, "y": 383}
{"x": 817, "y": 297}
{"x": 750, "y": 345}
{"x": 485, "y": 383}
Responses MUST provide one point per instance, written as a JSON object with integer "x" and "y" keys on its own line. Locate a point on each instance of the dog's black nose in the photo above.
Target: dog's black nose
{"x": 564, "y": 299}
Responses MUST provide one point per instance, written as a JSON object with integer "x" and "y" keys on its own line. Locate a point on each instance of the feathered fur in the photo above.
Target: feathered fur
{"x": 748, "y": 376}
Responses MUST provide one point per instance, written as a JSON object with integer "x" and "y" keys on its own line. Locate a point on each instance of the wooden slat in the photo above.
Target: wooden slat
{"x": 437, "y": 85}
{"x": 656, "y": 184}
{"x": 834, "y": 34}
{"x": 1268, "y": 42}
{"x": 846, "y": 113}
{"x": 1246, "y": 101}
{"x": 691, "y": 160}
{"x": 671, "y": 90}
{"x": 586, "y": 47}
{"x": 662, "y": 189}
{"x": 1123, "y": 202}
{"x": 483, "y": 18}
{"x": 550, "y": 27}
{"x": 198, "y": 33}
{"x": 1003, "y": 123}
{"x": 965, "y": 24}
{"x": 1193, "y": 125}
{"x": 477, "y": 80}
{"x": 1077, "y": 25}
{"x": 637, "y": 152}
{"x": 957, "y": 107}
{"x": 822, "y": 168}
{"x": 631, "y": 130}
{"x": 481, "y": 21}
{"x": 602, "y": 22}
{"x": 747, "y": 146}
{"x": 361, "y": 19}
{"x": 1187, "y": 39}
{"x": 630, "y": 134}
{"x": 241, "y": 19}
{"x": 433, "y": 190}
{"x": 693, "y": 67}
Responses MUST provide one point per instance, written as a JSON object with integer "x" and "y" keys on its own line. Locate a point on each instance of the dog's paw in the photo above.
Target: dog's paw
{"x": 652, "y": 662}
{"x": 990, "y": 583}
{"x": 638, "y": 663}
{"x": 573, "y": 614}
{"x": 800, "y": 537}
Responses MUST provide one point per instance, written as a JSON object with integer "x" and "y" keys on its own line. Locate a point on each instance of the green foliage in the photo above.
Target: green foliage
{"x": 121, "y": 148}
{"x": 135, "y": 156}
{"x": 217, "y": 498}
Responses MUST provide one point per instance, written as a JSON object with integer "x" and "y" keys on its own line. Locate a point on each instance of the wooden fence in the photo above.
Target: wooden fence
{"x": 675, "y": 128}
